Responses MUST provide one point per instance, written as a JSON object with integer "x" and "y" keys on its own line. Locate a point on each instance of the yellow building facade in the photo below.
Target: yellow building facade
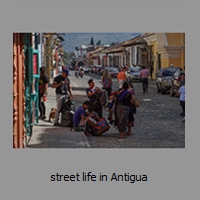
{"x": 166, "y": 49}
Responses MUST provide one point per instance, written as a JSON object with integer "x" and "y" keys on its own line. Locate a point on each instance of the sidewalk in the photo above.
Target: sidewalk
{"x": 45, "y": 135}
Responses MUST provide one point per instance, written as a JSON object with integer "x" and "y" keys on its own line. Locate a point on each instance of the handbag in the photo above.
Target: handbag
{"x": 136, "y": 102}
{"x": 101, "y": 126}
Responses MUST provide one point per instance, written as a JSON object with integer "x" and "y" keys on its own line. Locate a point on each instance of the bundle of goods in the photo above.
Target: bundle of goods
{"x": 98, "y": 125}
{"x": 67, "y": 111}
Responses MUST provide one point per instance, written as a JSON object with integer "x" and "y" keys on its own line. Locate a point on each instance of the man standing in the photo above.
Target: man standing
{"x": 43, "y": 85}
{"x": 121, "y": 76}
{"x": 151, "y": 72}
{"x": 94, "y": 94}
{"x": 144, "y": 73}
{"x": 58, "y": 82}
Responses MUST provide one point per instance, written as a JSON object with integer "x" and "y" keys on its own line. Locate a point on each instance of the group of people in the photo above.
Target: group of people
{"x": 120, "y": 104}
{"x": 62, "y": 87}
{"x": 144, "y": 74}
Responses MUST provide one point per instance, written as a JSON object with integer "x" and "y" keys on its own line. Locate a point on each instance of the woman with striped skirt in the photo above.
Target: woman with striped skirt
{"x": 122, "y": 109}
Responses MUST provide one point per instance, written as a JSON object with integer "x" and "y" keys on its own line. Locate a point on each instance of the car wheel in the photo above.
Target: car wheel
{"x": 158, "y": 89}
{"x": 171, "y": 91}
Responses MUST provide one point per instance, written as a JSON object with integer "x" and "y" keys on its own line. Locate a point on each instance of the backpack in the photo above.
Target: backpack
{"x": 107, "y": 83}
{"x": 67, "y": 111}
{"x": 67, "y": 118}
{"x": 66, "y": 104}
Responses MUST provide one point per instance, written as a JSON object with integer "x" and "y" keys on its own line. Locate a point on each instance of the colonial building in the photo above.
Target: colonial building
{"x": 166, "y": 49}
{"x": 30, "y": 50}
{"x": 137, "y": 52}
{"x": 116, "y": 55}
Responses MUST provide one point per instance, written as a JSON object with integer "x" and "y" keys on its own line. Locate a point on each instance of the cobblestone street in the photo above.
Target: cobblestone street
{"x": 157, "y": 124}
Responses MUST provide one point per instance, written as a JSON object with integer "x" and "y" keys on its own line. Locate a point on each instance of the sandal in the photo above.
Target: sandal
{"x": 88, "y": 134}
{"x": 122, "y": 136}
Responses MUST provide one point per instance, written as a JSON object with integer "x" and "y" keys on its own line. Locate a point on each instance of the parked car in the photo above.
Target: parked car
{"x": 174, "y": 87}
{"x": 133, "y": 74}
{"x": 113, "y": 71}
{"x": 163, "y": 79}
{"x": 71, "y": 67}
{"x": 103, "y": 68}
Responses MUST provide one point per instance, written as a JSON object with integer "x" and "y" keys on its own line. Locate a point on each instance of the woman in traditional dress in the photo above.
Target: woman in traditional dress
{"x": 122, "y": 109}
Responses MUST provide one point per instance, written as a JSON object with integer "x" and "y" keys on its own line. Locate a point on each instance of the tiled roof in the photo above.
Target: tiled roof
{"x": 115, "y": 48}
{"x": 148, "y": 34}
{"x": 137, "y": 40}
{"x": 97, "y": 49}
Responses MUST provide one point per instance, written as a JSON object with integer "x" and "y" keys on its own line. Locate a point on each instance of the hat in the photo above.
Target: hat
{"x": 66, "y": 71}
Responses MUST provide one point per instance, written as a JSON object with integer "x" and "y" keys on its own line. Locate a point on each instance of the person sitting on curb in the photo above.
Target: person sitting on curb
{"x": 79, "y": 118}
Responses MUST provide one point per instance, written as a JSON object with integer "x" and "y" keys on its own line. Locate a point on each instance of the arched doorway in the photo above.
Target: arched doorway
{"x": 80, "y": 63}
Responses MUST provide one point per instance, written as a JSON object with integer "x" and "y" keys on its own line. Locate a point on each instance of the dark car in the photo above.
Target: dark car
{"x": 133, "y": 74}
{"x": 163, "y": 79}
{"x": 175, "y": 82}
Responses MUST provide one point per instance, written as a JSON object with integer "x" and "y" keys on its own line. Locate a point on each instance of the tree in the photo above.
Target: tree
{"x": 68, "y": 55}
{"x": 92, "y": 41}
{"x": 113, "y": 43}
{"x": 99, "y": 42}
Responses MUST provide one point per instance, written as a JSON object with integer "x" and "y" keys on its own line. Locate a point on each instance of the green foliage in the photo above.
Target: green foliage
{"x": 99, "y": 42}
{"x": 113, "y": 43}
{"x": 68, "y": 55}
{"x": 92, "y": 41}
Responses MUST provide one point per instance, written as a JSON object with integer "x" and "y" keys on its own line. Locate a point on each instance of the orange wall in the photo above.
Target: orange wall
{"x": 175, "y": 39}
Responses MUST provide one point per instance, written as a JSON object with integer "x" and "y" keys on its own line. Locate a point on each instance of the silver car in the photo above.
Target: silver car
{"x": 133, "y": 74}
{"x": 164, "y": 77}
